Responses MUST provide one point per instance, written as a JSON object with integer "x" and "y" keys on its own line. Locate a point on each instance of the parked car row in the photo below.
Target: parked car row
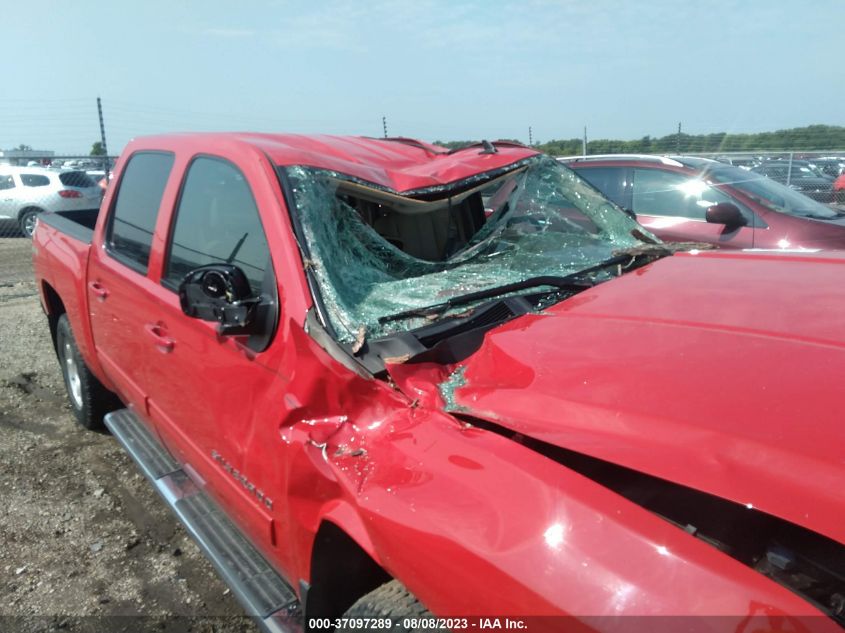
{"x": 800, "y": 175}
{"x": 831, "y": 166}
{"x": 84, "y": 164}
{"x": 684, "y": 198}
{"x": 744, "y": 162}
{"x": 26, "y": 192}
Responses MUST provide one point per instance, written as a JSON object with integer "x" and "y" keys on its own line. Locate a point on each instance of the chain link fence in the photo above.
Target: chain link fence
{"x": 31, "y": 184}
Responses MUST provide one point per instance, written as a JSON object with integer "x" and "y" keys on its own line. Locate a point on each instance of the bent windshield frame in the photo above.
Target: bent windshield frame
{"x": 374, "y": 252}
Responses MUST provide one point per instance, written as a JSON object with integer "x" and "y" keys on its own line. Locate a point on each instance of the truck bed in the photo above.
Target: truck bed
{"x": 78, "y": 224}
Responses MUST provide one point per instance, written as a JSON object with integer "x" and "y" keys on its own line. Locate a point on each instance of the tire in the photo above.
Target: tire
{"x": 26, "y": 222}
{"x": 391, "y": 600}
{"x": 89, "y": 399}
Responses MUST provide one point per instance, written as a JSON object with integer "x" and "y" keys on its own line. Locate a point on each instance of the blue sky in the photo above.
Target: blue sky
{"x": 436, "y": 69}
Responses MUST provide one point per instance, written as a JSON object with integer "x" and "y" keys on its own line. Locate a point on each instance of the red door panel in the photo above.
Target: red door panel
{"x": 120, "y": 304}
{"x": 680, "y": 229}
{"x": 205, "y": 401}
{"x": 673, "y": 205}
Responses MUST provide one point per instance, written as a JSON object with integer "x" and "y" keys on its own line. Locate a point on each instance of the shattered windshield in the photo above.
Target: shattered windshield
{"x": 375, "y": 253}
{"x": 773, "y": 194}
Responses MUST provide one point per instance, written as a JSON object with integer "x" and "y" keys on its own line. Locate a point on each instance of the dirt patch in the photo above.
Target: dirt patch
{"x": 85, "y": 542}
{"x": 15, "y": 261}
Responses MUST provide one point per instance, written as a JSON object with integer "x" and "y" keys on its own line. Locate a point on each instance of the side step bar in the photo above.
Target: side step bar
{"x": 264, "y": 595}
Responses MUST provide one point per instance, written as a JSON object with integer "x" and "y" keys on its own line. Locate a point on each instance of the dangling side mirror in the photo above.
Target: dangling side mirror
{"x": 219, "y": 292}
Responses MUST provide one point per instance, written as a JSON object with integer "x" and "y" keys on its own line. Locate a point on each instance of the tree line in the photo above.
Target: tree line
{"x": 809, "y": 138}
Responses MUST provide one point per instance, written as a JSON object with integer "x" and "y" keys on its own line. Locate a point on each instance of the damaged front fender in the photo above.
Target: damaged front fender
{"x": 520, "y": 532}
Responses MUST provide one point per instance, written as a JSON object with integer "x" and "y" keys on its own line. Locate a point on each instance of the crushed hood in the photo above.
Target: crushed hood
{"x": 721, "y": 372}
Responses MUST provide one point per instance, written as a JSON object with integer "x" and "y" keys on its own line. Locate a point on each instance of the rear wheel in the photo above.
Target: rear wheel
{"x": 26, "y": 221}
{"x": 89, "y": 399}
{"x": 392, "y": 600}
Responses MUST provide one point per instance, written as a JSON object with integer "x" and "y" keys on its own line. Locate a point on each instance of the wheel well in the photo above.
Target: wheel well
{"x": 341, "y": 573}
{"x": 29, "y": 208}
{"x": 55, "y": 308}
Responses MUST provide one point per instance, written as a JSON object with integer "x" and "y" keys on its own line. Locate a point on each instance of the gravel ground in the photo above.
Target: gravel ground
{"x": 85, "y": 542}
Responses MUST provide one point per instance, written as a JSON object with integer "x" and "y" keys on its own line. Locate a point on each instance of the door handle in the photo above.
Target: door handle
{"x": 164, "y": 343}
{"x": 98, "y": 290}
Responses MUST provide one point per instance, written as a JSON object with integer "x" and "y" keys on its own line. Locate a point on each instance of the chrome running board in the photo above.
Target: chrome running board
{"x": 262, "y": 592}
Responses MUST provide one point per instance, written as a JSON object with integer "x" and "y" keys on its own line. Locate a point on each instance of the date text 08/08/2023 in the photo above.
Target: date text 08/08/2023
{"x": 453, "y": 624}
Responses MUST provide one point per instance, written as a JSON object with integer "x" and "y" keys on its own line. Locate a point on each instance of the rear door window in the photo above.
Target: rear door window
{"x": 139, "y": 196}
{"x": 217, "y": 221}
{"x": 609, "y": 180}
{"x": 6, "y": 182}
{"x": 76, "y": 179}
{"x": 34, "y": 180}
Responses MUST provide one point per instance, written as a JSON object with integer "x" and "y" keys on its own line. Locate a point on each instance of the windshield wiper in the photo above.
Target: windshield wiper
{"x": 835, "y": 215}
{"x": 564, "y": 282}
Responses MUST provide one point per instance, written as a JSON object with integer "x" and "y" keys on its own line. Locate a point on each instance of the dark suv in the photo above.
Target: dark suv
{"x": 684, "y": 198}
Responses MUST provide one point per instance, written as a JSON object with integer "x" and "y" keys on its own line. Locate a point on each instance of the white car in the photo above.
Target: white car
{"x": 27, "y": 191}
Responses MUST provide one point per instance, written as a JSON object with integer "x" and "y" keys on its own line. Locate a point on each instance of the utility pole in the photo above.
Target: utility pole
{"x": 678, "y": 144}
{"x": 584, "y": 142}
{"x": 530, "y": 137}
{"x": 384, "y": 125}
{"x": 103, "y": 139}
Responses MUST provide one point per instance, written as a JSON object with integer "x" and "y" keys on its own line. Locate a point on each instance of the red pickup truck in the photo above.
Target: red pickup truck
{"x": 376, "y": 378}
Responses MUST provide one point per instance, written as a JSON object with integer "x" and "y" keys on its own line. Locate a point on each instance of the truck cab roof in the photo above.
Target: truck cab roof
{"x": 400, "y": 164}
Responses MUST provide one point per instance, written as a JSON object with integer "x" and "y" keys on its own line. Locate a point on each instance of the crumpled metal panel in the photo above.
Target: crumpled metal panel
{"x": 653, "y": 372}
{"x": 363, "y": 277}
